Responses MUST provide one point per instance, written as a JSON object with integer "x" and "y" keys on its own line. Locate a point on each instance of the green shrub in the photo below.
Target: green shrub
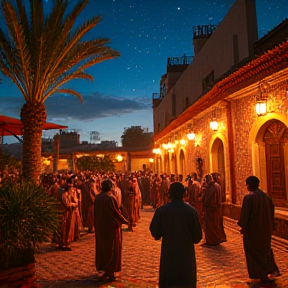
{"x": 28, "y": 217}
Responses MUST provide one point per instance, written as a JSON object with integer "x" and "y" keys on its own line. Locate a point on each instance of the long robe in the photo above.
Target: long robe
{"x": 68, "y": 230}
{"x": 88, "y": 198}
{"x": 213, "y": 216}
{"x": 108, "y": 234}
{"x": 257, "y": 223}
{"x": 177, "y": 223}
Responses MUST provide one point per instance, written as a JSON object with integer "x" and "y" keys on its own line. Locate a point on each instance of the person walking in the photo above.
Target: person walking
{"x": 108, "y": 234}
{"x": 177, "y": 223}
{"x": 257, "y": 224}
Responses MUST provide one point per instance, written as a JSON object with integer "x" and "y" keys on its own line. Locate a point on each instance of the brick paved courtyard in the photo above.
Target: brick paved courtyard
{"x": 220, "y": 266}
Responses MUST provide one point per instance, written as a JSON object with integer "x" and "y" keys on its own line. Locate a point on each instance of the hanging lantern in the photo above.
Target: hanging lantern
{"x": 191, "y": 136}
{"x": 182, "y": 142}
{"x": 261, "y": 107}
{"x": 261, "y": 99}
{"x": 214, "y": 125}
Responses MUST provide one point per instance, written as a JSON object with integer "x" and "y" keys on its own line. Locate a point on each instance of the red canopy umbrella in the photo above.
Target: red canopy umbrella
{"x": 12, "y": 127}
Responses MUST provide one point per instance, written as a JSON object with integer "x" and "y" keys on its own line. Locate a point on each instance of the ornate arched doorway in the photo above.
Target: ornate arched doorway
{"x": 182, "y": 163}
{"x": 275, "y": 138}
{"x": 218, "y": 163}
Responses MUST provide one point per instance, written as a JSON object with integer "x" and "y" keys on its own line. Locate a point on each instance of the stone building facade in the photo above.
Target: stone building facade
{"x": 230, "y": 73}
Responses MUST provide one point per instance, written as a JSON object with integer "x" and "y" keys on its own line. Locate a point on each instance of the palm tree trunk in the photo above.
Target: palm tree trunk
{"x": 33, "y": 116}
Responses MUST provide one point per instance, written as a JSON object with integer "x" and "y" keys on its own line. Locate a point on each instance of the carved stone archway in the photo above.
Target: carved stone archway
{"x": 218, "y": 163}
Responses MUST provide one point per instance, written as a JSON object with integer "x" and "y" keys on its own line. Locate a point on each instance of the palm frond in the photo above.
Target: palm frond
{"x": 18, "y": 43}
{"x": 66, "y": 78}
{"x": 45, "y": 51}
{"x": 70, "y": 91}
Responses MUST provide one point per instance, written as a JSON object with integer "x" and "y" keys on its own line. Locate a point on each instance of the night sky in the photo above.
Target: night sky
{"x": 146, "y": 33}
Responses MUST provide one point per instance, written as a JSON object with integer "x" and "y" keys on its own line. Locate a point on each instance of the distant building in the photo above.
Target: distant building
{"x": 69, "y": 139}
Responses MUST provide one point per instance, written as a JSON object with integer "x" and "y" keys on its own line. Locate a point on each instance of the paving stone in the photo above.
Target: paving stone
{"x": 222, "y": 266}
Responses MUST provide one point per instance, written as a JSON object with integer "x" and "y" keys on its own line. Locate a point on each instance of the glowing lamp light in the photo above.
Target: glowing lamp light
{"x": 156, "y": 151}
{"x": 191, "y": 136}
{"x": 261, "y": 108}
{"x": 151, "y": 160}
{"x": 182, "y": 142}
{"x": 214, "y": 125}
{"x": 119, "y": 158}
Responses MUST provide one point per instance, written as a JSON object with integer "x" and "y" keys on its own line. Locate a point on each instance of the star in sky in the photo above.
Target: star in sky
{"x": 146, "y": 33}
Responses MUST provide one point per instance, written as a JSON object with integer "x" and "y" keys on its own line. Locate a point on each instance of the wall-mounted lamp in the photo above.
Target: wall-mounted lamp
{"x": 156, "y": 151}
{"x": 214, "y": 125}
{"x": 261, "y": 107}
{"x": 119, "y": 158}
{"x": 261, "y": 100}
{"x": 191, "y": 136}
{"x": 182, "y": 142}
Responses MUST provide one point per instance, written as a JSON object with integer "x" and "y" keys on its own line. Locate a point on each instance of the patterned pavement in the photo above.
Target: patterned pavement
{"x": 220, "y": 266}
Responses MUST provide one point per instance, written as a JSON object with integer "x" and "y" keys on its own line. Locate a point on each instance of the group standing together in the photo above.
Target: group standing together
{"x": 185, "y": 212}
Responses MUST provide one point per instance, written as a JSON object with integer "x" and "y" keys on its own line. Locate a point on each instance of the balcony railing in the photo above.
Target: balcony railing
{"x": 183, "y": 60}
{"x": 203, "y": 30}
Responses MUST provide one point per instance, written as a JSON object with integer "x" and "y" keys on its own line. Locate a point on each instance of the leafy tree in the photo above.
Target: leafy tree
{"x": 94, "y": 163}
{"x": 135, "y": 137}
{"x": 40, "y": 53}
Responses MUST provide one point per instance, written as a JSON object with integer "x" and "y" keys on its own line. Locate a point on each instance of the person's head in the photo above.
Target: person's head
{"x": 216, "y": 177}
{"x": 106, "y": 185}
{"x": 252, "y": 183}
{"x": 176, "y": 190}
{"x": 208, "y": 179}
{"x": 194, "y": 176}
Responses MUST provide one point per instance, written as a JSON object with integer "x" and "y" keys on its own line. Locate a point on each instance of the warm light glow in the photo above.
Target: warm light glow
{"x": 182, "y": 142}
{"x": 151, "y": 160}
{"x": 261, "y": 108}
{"x": 119, "y": 158}
{"x": 168, "y": 146}
{"x": 214, "y": 125}
{"x": 46, "y": 161}
{"x": 191, "y": 136}
{"x": 171, "y": 150}
{"x": 157, "y": 151}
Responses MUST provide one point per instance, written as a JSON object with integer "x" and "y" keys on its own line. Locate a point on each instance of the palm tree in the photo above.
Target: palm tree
{"x": 41, "y": 53}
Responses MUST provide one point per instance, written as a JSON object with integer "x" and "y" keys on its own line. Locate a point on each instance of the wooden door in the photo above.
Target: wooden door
{"x": 275, "y": 137}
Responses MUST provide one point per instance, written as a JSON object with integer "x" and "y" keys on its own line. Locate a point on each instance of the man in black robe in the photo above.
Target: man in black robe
{"x": 177, "y": 223}
{"x": 257, "y": 223}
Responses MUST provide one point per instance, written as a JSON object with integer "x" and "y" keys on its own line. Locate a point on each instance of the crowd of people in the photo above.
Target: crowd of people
{"x": 77, "y": 192}
{"x": 101, "y": 203}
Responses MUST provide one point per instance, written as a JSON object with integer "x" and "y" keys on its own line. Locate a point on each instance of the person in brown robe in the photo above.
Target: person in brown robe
{"x": 89, "y": 193}
{"x": 108, "y": 234}
{"x": 257, "y": 224}
{"x": 194, "y": 194}
{"x": 177, "y": 223}
{"x": 69, "y": 225}
{"x": 213, "y": 217}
